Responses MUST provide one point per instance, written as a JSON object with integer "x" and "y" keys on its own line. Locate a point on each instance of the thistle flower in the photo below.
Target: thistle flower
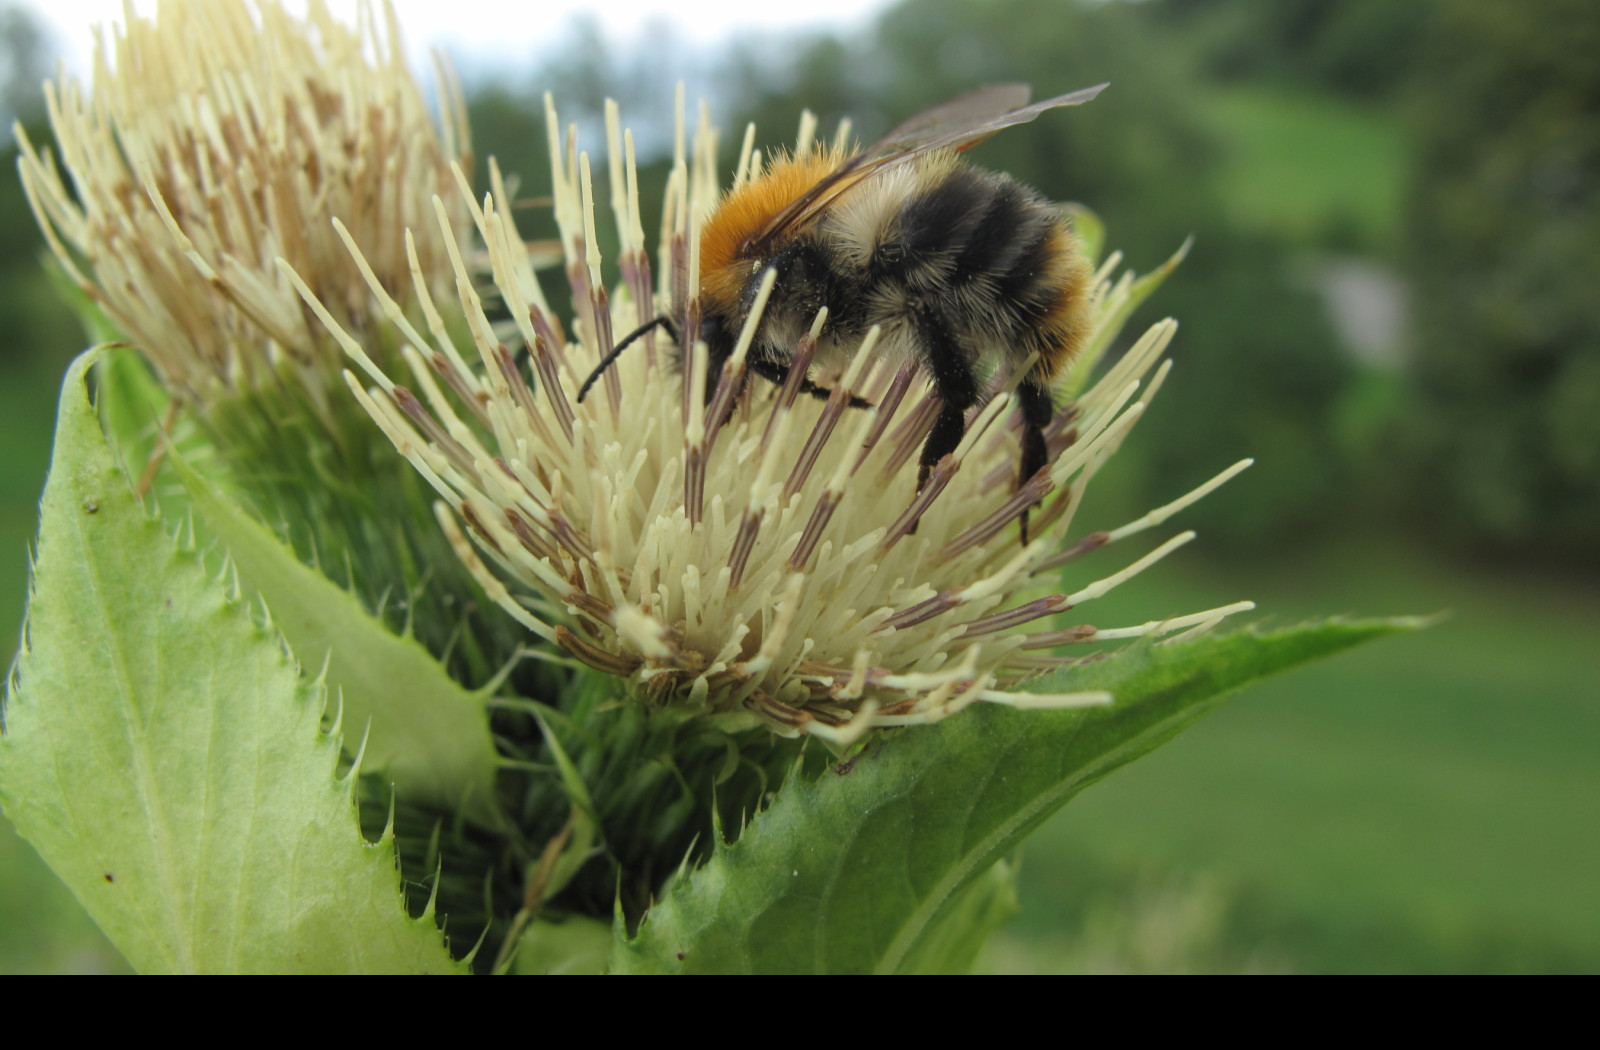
{"x": 761, "y": 558}
{"x": 216, "y": 138}
{"x": 219, "y": 136}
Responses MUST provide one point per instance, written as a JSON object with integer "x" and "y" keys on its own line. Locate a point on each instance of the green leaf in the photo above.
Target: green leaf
{"x": 965, "y": 924}
{"x": 162, "y": 754}
{"x": 131, "y": 403}
{"x": 575, "y": 945}
{"x": 137, "y": 415}
{"x": 1089, "y": 228}
{"x": 858, "y": 870}
{"x": 427, "y": 733}
{"x": 585, "y": 818}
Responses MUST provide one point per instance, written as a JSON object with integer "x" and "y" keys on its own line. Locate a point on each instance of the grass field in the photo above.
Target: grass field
{"x": 1309, "y": 168}
{"x": 1431, "y": 803}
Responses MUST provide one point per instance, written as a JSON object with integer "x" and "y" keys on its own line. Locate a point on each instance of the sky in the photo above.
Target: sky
{"x": 501, "y": 35}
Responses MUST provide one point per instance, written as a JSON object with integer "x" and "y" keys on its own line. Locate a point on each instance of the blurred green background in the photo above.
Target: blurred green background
{"x": 1391, "y": 304}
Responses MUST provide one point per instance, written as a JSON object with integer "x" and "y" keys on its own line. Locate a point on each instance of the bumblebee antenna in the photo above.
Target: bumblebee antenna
{"x": 661, "y": 321}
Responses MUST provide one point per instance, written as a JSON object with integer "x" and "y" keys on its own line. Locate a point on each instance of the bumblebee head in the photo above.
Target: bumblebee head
{"x": 729, "y": 257}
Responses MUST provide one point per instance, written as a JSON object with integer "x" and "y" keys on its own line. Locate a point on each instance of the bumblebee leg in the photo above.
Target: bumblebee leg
{"x": 1037, "y": 409}
{"x": 777, "y": 375}
{"x": 771, "y": 371}
{"x": 946, "y": 434}
{"x": 718, "y": 356}
{"x": 955, "y": 384}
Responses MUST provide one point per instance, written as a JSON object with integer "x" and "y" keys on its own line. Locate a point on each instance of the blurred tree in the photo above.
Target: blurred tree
{"x": 770, "y": 79}
{"x": 1505, "y": 220}
{"x": 1356, "y": 48}
{"x": 39, "y": 331}
{"x": 24, "y": 58}
{"x": 1257, "y": 371}
{"x": 24, "y": 63}
{"x": 508, "y": 125}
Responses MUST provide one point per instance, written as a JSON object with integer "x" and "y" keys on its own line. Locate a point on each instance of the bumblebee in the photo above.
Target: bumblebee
{"x": 964, "y": 270}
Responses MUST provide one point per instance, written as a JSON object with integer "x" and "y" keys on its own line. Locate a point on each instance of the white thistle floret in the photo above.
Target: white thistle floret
{"x": 761, "y": 557}
{"x": 219, "y": 136}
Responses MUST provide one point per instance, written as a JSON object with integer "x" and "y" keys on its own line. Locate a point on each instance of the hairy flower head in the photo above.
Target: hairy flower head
{"x": 754, "y": 555}
{"x": 219, "y": 136}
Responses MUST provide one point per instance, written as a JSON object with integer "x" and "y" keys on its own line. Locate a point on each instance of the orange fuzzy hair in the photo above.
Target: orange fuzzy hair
{"x": 1065, "y": 322}
{"x": 745, "y": 212}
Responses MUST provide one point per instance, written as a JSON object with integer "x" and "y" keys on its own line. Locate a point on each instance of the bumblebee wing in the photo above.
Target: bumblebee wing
{"x": 968, "y": 120}
{"x": 967, "y": 111}
{"x": 958, "y": 124}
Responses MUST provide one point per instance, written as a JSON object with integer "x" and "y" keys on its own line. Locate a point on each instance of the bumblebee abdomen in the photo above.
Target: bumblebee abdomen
{"x": 978, "y": 254}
